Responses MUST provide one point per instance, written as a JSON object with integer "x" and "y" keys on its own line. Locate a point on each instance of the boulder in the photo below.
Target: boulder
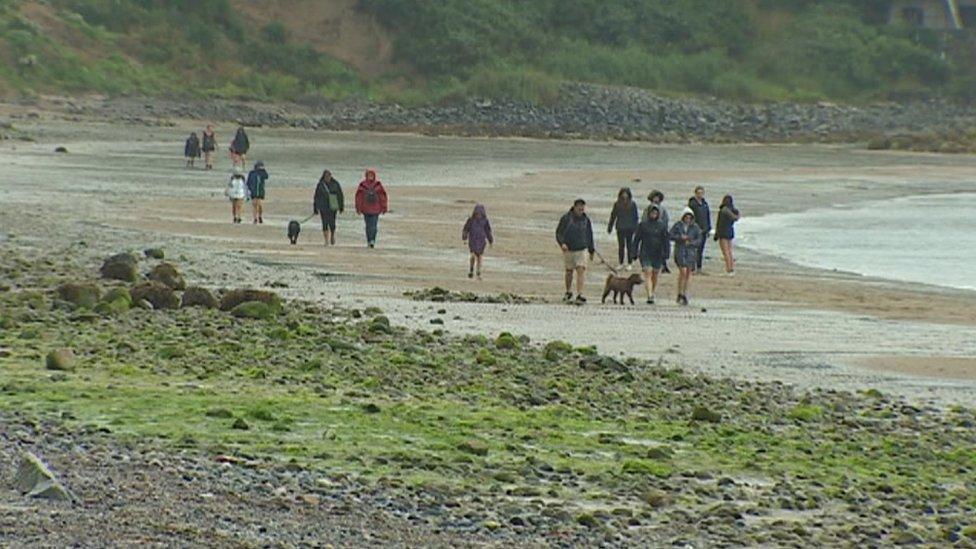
{"x": 80, "y": 295}
{"x": 168, "y": 274}
{"x": 60, "y": 359}
{"x": 116, "y": 301}
{"x": 475, "y": 447}
{"x": 506, "y": 340}
{"x": 701, "y": 413}
{"x": 233, "y": 298}
{"x": 159, "y": 295}
{"x": 195, "y": 296}
{"x": 35, "y": 480}
{"x": 255, "y": 310}
{"x": 154, "y": 253}
{"x": 123, "y": 266}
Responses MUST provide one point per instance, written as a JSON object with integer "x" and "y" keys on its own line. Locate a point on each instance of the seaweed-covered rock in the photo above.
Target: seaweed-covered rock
{"x": 168, "y": 274}
{"x": 233, "y": 298}
{"x": 35, "y": 480}
{"x": 254, "y": 309}
{"x": 80, "y": 295}
{"x": 116, "y": 301}
{"x": 154, "y": 253}
{"x": 159, "y": 295}
{"x": 196, "y": 296}
{"x": 124, "y": 266}
{"x": 701, "y": 413}
{"x": 62, "y": 360}
{"x": 506, "y": 340}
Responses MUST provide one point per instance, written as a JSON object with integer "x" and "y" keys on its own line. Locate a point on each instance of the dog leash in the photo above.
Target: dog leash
{"x": 607, "y": 265}
{"x": 307, "y": 218}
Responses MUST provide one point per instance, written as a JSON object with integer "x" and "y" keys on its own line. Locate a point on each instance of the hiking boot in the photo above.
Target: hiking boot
{"x": 261, "y": 221}
{"x": 650, "y": 300}
{"x": 568, "y": 296}
{"x": 580, "y": 299}
{"x": 470, "y": 274}
{"x": 684, "y": 300}
{"x": 255, "y": 222}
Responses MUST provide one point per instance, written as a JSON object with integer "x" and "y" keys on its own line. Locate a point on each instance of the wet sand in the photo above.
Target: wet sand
{"x": 773, "y": 320}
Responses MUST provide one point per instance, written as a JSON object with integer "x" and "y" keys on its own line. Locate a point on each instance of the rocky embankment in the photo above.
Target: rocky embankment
{"x": 584, "y": 111}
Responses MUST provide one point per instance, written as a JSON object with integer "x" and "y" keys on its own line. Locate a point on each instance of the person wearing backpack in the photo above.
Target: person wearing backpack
{"x": 328, "y": 203}
{"x": 236, "y": 192}
{"x": 371, "y": 202}
{"x": 256, "y": 180}
{"x": 239, "y": 147}
{"x": 191, "y": 150}
{"x": 209, "y": 146}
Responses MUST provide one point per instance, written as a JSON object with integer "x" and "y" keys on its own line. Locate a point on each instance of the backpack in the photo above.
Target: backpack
{"x": 372, "y": 197}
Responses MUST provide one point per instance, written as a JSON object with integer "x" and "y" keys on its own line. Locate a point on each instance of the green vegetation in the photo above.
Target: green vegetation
{"x": 338, "y": 391}
{"x": 502, "y": 49}
{"x": 740, "y": 49}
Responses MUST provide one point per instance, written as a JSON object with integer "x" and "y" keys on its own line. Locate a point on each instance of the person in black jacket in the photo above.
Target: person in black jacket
{"x": 574, "y": 234}
{"x": 703, "y": 218}
{"x": 624, "y": 218}
{"x": 329, "y": 202}
{"x": 239, "y": 147}
{"x": 191, "y": 150}
{"x": 209, "y": 146}
{"x": 651, "y": 235}
{"x": 728, "y": 214}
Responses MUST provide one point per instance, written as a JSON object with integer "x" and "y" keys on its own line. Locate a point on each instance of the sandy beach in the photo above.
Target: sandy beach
{"x": 123, "y": 188}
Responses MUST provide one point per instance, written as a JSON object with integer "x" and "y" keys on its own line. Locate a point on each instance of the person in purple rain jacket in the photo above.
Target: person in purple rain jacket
{"x": 477, "y": 233}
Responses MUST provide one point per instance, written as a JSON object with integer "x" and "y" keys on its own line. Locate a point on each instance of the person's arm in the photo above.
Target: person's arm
{"x": 358, "y": 200}
{"x": 561, "y": 231}
{"x": 488, "y": 234}
{"x": 613, "y": 219}
{"x": 675, "y": 233}
{"x": 695, "y": 238}
{"x": 384, "y": 199}
{"x": 315, "y": 199}
{"x": 634, "y": 215}
{"x": 589, "y": 235}
{"x": 466, "y": 230}
{"x": 341, "y": 198}
{"x": 638, "y": 238}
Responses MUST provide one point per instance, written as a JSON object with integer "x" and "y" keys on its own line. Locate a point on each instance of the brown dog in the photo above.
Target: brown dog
{"x": 621, "y": 286}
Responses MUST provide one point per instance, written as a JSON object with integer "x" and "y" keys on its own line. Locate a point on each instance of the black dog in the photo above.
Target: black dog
{"x": 294, "y": 228}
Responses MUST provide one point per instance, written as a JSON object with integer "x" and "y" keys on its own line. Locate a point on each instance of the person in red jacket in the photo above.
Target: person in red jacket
{"x": 371, "y": 202}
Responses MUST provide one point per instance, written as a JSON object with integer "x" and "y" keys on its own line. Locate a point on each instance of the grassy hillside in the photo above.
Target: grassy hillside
{"x": 741, "y": 49}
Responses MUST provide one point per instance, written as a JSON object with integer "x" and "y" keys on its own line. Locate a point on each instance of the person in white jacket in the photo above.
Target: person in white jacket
{"x": 236, "y": 191}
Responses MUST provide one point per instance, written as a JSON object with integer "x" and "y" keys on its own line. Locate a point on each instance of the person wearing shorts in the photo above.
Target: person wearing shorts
{"x": 651, "y": 240}
{"x": 574, "y": 234}
{"x": 209, "y": 146}
{"x": 328, "y": 202}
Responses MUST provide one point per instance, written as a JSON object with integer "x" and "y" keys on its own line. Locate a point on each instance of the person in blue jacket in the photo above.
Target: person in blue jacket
{"x": 687, "y": 236}
{"x": 256, "y": 180}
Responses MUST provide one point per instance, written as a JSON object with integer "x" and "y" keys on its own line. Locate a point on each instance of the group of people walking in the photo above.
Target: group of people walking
{"x": 205, "y": 146}
{"x": 648, "y": 238}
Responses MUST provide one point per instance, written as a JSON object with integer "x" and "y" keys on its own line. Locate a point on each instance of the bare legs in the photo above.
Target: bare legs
{"x": 257, "y": 207}
{"x": 328, "y": 236}
{"x": 650, "y": 287}
{"x": 474, "y": 265}
{"x": 236, "y": 208}
{"x": 684, "y": 277}
{"x": 208, "y": 160}
{"x": 726, "y": 246}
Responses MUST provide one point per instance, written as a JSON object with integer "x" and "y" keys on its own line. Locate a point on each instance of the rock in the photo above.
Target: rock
{"x": 116, "y": 301}
{"x": 380, "y": 325}
{"x": 61, "y": 150}
{"x": 234, "y": 298}
{"x": 588, "y": 520}
{"x": 80, "y": 295}
{"x": 371, "y": 408}
{"x": 475, "y": 447}
{"x": 702, "y": 413}
{"x": 906, "y": 538}
{"x": 219, "y": 412}
{"x": 144, "y": 304}
{"x": 603, "y": 363}
{"x": 124, "y": 266}
{"x": 168, "y": 274}
{"x": 159, "y": 295}
{"x": 437, "y": 321}
{"x": 485, "y": 358}
{"x": 659, "y": 453}
{"x": 61, "y": 359}
{"x": 505, "y": 340}
{"x": 657, "y": 498}
{"x": 255, "y": 310}
{"x": 240, "y": 425}
{"x": 556, "y": 350}
{"x": 154, "y": 253}
{"x": 35, "y": 480}
{"x": 196, "y": 296}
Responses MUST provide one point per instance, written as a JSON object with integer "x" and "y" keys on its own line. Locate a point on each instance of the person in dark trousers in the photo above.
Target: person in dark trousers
{"x": 477, "y": 233}
{"x": 624, "y": 218}
{"x": 725, "y": 232}
{"x": 371, "y": 203}
{"x": 329, "y": 202}
{"x": 656, "y": 198}
{"x": 703, "y": 218}
{"x": 209, "y": 146}
{"x": 687, "y": 236}
{"x": 574, "y": 234}
{"x": 649, "y": 240}
{"x": 191, "y": 150}
{"x": 256, "y": 180}
{"x": 239, "y": 147}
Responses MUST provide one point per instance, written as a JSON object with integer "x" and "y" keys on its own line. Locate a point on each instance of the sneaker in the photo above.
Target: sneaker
{"x": 470, "y": 274}
{"x": 568, "y": 296}
{"x": 478, "y": 274}
{"x": 255, "y": 222}
{"x": 261, "y": 221}
{"x": 650, "y": 301}
{"x": 580, "y": 299}
{"x": 678, "y": 300}
{"x": 372, "y": 245}
{"x": 684, "y": 300}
